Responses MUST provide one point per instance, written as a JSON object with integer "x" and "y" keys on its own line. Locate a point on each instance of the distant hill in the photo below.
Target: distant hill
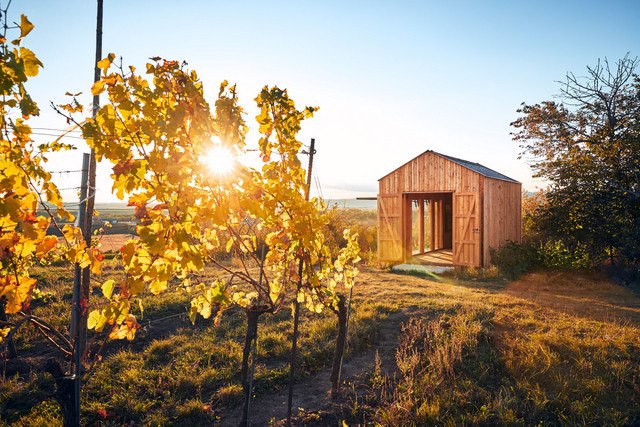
{"x": 121, "y": 211}
{"x": 352, "y": 204}
{"x": 339, "y": 203}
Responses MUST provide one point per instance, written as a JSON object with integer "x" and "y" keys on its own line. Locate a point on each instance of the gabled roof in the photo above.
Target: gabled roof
{"x": 476, "y": 167}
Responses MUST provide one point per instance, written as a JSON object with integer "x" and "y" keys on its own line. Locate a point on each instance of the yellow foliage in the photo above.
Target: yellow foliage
{"x": 23, "y": 179}
{"x": 156, "y": 131}
{"x": 16, "y": 290}
{"x": 126, "y": 329}
{"x": 107, "y": 288}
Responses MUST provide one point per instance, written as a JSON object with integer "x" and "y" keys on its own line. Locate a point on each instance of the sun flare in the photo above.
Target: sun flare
{"x": 219, "y": 160}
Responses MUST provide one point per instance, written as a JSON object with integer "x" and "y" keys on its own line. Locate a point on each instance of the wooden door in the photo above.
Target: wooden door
{"x": 466, "y": 229}
{"x": 390, "y": 227}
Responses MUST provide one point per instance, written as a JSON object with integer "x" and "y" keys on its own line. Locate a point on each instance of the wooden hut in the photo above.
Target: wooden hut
{"x": 443, "y": 210}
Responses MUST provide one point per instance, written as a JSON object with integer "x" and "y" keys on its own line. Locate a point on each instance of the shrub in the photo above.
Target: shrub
{"x": 437, "y": 382}
{"x": 514, "y": 259}
{"x": 556, "y": 254}
{"x": 627, "y": 274}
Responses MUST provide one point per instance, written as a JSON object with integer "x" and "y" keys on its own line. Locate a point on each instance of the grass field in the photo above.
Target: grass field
{"x": 552, "y": 348}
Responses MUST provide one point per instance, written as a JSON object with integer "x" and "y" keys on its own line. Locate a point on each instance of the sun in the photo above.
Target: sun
{"x": 219, "y": 160}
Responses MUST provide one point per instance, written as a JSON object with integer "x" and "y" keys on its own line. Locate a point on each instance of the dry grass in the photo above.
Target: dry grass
{"x": 551, "y": 348}
{"x": 579, "y": 295}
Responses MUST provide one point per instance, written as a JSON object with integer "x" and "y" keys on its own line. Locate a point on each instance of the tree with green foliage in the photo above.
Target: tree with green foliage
{"x": 587, "y": 146}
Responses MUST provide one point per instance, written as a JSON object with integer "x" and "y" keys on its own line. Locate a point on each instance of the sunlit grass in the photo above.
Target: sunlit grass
{"x": 478, "y": 351}
{"x": 530, "y": 362}
{"x": 172, "y": 367}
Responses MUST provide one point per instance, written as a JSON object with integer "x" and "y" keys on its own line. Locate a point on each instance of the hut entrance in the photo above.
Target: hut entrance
{"x": 429, "y": 235}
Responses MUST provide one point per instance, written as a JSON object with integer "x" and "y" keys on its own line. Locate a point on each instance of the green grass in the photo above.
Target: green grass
{"x": 173, "y": 372}
{"x": 554, "y": 349}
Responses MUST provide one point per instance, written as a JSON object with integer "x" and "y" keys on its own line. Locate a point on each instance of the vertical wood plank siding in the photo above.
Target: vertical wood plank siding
{"x": 389, "y": 227}
{"x": 502, "y": 214}
{"x": 430, "y": 173}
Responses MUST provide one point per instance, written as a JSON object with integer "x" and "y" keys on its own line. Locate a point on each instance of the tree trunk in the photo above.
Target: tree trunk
{"x": 12, "y": 353}
{"x": 64, "y": 394}
{"x": 340, "y": 345}
{"x": 250, "y": 336}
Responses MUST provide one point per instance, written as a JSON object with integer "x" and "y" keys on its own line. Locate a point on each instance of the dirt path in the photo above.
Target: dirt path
{"x": 313, "y": 393}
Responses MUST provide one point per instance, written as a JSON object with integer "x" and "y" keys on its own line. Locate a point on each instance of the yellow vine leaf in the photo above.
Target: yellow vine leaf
{"x": 95, "y": 258}
{"x": 157, "y": 286}
{"x": 105, "y": 63}
{"x": 25, "y": 26}
{"x": 229, "y": 244}
{"x": 30, "y": 62}
{"x": 25, "y": 248}
{"x": 107, "y": 288}
{"x": 125, "y": 330}
{"x": 97, "y": 88}
{"x": 16, "y": 291}
{"x": 94, "y": 319}
{"x": 45, "y": 246}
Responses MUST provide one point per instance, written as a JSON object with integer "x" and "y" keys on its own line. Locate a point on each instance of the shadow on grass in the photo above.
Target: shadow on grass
{"x": 582, "y": 295}
{"x": 19, "y": 399}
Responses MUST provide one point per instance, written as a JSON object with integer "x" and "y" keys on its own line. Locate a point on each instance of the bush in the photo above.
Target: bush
{"x": 514, "y": 259}
{"x": 626, "y": 274}
{"x": 556, "y": 254}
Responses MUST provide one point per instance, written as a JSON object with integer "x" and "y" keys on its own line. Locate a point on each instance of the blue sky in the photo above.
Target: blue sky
{"x": 392, "y": 79}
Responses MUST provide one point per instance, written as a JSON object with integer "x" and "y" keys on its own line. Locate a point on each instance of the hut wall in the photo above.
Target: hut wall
{"x": 390, "y": 227}
{"x": 502, "y": 216}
